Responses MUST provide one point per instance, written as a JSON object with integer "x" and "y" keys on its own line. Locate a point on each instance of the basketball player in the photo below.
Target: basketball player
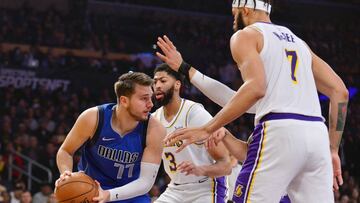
{"x": 290, "y": 150}
{"x": 121, "y": 143}
{"x": 197, "y": 174}
{"x": 220, "y": 94}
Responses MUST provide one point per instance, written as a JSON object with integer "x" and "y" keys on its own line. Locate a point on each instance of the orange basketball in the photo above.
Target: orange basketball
{"x": 77, "y": 188}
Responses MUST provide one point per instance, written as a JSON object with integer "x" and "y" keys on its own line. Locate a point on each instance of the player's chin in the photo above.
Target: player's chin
{"x": 144, "y": 115}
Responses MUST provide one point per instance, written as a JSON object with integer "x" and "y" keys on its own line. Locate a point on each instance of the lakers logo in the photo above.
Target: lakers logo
{"x": 238, "y": 190}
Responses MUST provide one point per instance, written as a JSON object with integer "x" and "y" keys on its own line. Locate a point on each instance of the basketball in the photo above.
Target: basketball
{"x": 78, "y": 187}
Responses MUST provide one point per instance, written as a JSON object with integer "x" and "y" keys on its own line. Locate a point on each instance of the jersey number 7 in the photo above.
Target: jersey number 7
{"x": 293, "y": 59}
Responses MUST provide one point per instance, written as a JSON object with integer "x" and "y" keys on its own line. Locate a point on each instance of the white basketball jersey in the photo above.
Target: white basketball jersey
{"x": 290, "y": 84}
{"x": 196, "y": 153}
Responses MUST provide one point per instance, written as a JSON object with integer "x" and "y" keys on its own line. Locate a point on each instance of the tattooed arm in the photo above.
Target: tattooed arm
{"x": 337, "y": 117}
{"x": 330, "y": 84}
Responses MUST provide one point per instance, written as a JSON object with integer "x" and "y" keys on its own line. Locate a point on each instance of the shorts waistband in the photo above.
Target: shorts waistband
{"x": 199, "y": 181}
{"x": 278, "y": 116}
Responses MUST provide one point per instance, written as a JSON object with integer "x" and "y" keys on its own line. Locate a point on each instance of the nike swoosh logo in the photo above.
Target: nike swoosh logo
{"x": 107, "y": 139}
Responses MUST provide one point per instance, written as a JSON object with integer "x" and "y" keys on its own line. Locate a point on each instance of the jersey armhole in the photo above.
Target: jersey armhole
{"x": 187, "y": 114}
{"x": 144, "y": 132}
{"x": 100, "y": 121}
{"x": 265, "y": 44}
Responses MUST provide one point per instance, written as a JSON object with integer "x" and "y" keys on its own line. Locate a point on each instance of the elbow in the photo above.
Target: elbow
{"x": 341, "y": 93}
{"x": 260, "y": 93}
{"x": 258, "y": 89}
{"x": 345, "y": 93}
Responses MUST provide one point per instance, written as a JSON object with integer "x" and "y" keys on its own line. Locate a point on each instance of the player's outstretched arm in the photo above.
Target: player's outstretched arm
{"x": 331, "y": 85}
{"x": 245, "y": 48}
{"x": 83, "y": 129}
{"x": 150, "y": 163}
{"x": 211, "y": 88}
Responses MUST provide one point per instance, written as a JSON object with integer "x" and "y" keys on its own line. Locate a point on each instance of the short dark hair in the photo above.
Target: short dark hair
{"x": 125, "y": 85}
{"x": 166, "y": 68}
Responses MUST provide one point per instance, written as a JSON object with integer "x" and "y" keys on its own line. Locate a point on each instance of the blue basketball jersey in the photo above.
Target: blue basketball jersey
{"x": 113, "y": 159}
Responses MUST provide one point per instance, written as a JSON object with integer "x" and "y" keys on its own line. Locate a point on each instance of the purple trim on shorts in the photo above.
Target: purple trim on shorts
{"x": 220, "y": 189}
{"x": 244, "y": 179}
{"x": 278, "y": 116}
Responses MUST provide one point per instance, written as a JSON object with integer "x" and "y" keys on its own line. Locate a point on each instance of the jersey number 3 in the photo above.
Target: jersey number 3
{"x": 293, "y": 59}
{"x": 172, "y": 165}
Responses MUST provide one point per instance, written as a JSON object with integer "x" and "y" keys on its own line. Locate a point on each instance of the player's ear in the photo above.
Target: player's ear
{"x": 177, "y": 85}
{"x": 245, "y": 11}
{"x": 124, "y": 101}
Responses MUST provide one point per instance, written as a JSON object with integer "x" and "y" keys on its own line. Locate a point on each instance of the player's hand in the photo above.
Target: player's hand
{"x": 62, "y": 177}
{"x": 188, "y": 136}
{"x": 189, "y": 168}
{"x": 104, "y": 195}
{"x": 171, "y": 56}
{"x": 215, "y": 138}
{"x": 338, "y": 180}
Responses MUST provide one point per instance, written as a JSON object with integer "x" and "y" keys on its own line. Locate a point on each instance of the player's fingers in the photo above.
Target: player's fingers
{"x": 185, "y": 168}
{"x": 68, "y": 173}
{"x": 209, "y": 143}
{"x": 164, "y": 44}
{"x": 214, "y": 143}
{"x": 172, "y": 139}
{"x": 181, "y": 165}
{"x": 340, "y": 179}
{"x": 188, "y": 168}
{"x": 162, "y": 57}
{"x": 162, "y": 47}
{"x": 62, "y": 177}
{"x": 57, "y": 183}
{"x": 181, "y": 134}
{"x": 98, "y": 199}
{"x": 335, "y": 185}
{"x": 206, "y": 144}
{"x": 169, "y": 42}
{"x": 184, "y": 165}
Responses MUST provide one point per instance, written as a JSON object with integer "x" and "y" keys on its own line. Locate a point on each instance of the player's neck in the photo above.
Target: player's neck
{"x": 172, "y": 108}
{"x": 122, "y": 122}
{"x": 260, "y": 17}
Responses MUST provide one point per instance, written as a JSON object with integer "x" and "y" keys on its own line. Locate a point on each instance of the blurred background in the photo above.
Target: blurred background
{"x": 60, "y": 57}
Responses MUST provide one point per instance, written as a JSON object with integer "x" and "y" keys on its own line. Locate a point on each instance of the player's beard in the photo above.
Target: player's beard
{"x": 166, "y": 99}
{"x": 239, "y": 25}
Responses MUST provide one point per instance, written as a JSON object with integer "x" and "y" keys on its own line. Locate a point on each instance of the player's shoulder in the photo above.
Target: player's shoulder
{"x": 247, "y": 33}
{"x": 89, "y": 113}
{"x": 154, "y": 123}
{"x": 156, "y": 130}
{"x": 194, "y": 109}
{"x": 192, "y": 105}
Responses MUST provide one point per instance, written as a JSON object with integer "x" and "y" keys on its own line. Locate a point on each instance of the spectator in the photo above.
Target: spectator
{"x": 44, "y": 194}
